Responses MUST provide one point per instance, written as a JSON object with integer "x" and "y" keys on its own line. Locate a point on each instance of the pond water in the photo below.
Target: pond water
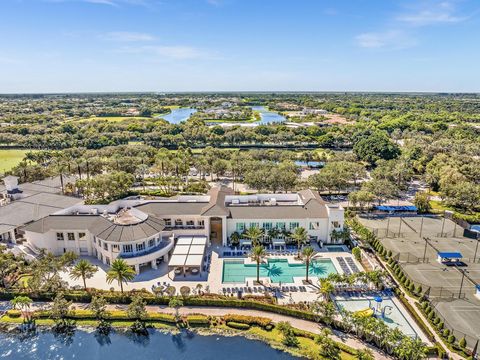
{"x": 178, "y": 115}
{"x": 83, "y": 345}
{"x": 267, "y": 116}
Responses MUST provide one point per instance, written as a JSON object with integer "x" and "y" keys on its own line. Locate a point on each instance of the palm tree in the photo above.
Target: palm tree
{"x": 326, "y": 288}
{"x": 120, "y": 271}
{"x": 307, "y": 254}
{"x": 300, "y": 235}
{"x": 364, "y": 354}
{"x": 254, "y": 234}
{"x": 83, "y": 269}
{"x": 23, "y": 303}
{"x": 258, "y": 253}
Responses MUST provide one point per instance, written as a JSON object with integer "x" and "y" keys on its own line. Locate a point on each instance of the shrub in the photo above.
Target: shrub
{"x": 440, "y": 325}
{"x": 238, "y": 326}
{"x": 249, "y": 320}
{"x": 451, "y": 339}
{"x": 462, "y": 343}
{"x": 14, "y": 313}
{"x": 198, "y": 320}
{"x": 446, "y": 333}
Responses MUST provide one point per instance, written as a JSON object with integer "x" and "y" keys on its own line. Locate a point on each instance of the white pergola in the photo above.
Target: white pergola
{"x": 188, "y": 252}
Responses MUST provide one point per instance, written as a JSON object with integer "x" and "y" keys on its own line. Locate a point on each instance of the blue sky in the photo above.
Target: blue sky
{"x": 230, "y": 45}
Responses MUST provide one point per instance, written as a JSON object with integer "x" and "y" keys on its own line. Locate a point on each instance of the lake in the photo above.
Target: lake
{"x": 267, "y": 116}
{"x": 179, "y": 115}
{"x": 165, "y": 346}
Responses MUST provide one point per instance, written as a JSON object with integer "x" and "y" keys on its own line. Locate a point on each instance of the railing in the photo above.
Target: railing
{"x": 184, "y": 227}
{"x": 151, "y": 250}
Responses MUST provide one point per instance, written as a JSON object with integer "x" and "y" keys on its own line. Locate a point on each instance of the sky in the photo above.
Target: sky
{"x": 239, "y": 45}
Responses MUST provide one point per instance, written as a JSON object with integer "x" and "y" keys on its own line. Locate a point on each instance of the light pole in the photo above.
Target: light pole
{"x": 476, "y": 248}
{"x": 425, "y": 250}
{"x": 461, "y": 283}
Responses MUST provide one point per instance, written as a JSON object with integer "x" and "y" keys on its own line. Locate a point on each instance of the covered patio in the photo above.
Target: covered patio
{"x": 188, "y": 255}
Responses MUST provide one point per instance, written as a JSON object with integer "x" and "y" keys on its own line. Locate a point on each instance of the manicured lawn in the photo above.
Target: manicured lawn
{"x": 116, "y": 118}
{"x": 307, "y": 347}
{"x": 10, "y": 158}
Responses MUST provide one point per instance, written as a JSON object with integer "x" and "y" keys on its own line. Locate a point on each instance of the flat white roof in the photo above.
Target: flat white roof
{"x": 181, "y": 250}
{"x": 188, "y": 251}
{"x": 177, "y": 260}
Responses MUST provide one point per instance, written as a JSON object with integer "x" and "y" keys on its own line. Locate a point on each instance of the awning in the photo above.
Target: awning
{"x": 197, "y": 250}
{"x": 194, "y": 260}
{"x": 450, "y": 255}
{"x": 177, "y": 260}
{"x": 181, "y": 250}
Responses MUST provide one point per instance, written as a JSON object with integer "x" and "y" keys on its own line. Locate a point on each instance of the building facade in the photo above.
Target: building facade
{"x": 143, "y": 232}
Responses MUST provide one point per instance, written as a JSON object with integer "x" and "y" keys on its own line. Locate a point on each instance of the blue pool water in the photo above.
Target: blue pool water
{"x": 119, "y": 346}
{"x": 336, "y": 248}
{"x": 393, "y": 316}
{"x": 278, "y": 270}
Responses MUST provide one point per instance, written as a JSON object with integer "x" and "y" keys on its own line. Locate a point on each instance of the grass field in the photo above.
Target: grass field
{"x": 116, "y": 118}
{"x": 10, "y": 158}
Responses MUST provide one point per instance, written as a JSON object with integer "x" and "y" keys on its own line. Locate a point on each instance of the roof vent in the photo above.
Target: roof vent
{"x": 235, "y": 201}
{"x": 94, "y": 211}
{"x": 273, "y": 201}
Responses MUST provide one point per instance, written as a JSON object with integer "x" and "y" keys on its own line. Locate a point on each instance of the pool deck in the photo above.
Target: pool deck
{"x": 408, "y": 318}
{"x": 212, "y": 279}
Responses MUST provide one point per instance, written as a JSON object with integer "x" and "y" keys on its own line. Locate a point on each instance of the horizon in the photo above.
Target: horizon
{"x": 199, "y": 46}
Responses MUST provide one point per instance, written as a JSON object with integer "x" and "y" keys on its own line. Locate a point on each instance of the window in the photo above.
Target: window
{"x": 128, "y": 248}
{"x": 168, "y": 222}
{"x": 71, "y": 236}
{"x": 151, "y": 243}
{"x": 105, "y": 246}
{"x": 254, "y": 224}
{"x": 240, "y": 227}
{"x": 294, "y": 225}
{"x": 140, "y": 247}
{"x": 280, "y": 225}
{"x": 94, "y": 240}
{"x": 201, "y": 223}
{"x": 81, "y": 236}
{"x": 267, "y": 225}
{"x": 178, "y": 222}
{"x": 100, "y": 243}
{"x": 60, "y": 236}
{"x": 190, "y": 223}
{"x": 115, "y": 247}
{"x": 314, "y": 226}
{"x": 335, "y": 224}
{"x": 107, "y": 260}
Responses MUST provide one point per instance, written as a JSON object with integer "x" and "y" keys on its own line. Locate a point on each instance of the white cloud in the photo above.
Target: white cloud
{"x": 127, "y": 36}
{"x": 392, "y": 39}
{"x": 443, "y": 12}
{"x": 171, "y": 52}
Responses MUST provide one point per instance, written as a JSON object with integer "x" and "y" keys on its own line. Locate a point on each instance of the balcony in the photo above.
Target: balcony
{"x": 152, "y": 250}
{"x": 184, "y": 227}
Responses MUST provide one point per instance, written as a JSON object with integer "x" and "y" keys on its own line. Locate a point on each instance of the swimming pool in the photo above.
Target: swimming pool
{"x": 336, "y": 248}
{"x": 278, "y": 270}
{"x": 393, "y": 316}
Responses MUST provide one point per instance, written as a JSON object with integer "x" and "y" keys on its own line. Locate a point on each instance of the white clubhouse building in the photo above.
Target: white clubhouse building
{"x": 145, "y": 232}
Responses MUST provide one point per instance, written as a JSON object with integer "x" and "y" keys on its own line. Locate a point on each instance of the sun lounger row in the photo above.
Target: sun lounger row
{"x": 343, "y": 265}
{"x": 234, "y": 253}
{"x": 245, "y": 289}
{"x": 352, "y": 264}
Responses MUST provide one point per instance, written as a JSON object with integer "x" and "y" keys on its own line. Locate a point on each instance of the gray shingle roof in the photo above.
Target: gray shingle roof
{"x": 99, "y": 226}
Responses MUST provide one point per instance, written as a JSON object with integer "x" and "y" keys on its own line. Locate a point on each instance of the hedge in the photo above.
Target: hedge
{"x": 238, "y": 326}
{"x": 250, "y": 320}
{"x": 14, "y": 313}
{"x": 198, "y": 320}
